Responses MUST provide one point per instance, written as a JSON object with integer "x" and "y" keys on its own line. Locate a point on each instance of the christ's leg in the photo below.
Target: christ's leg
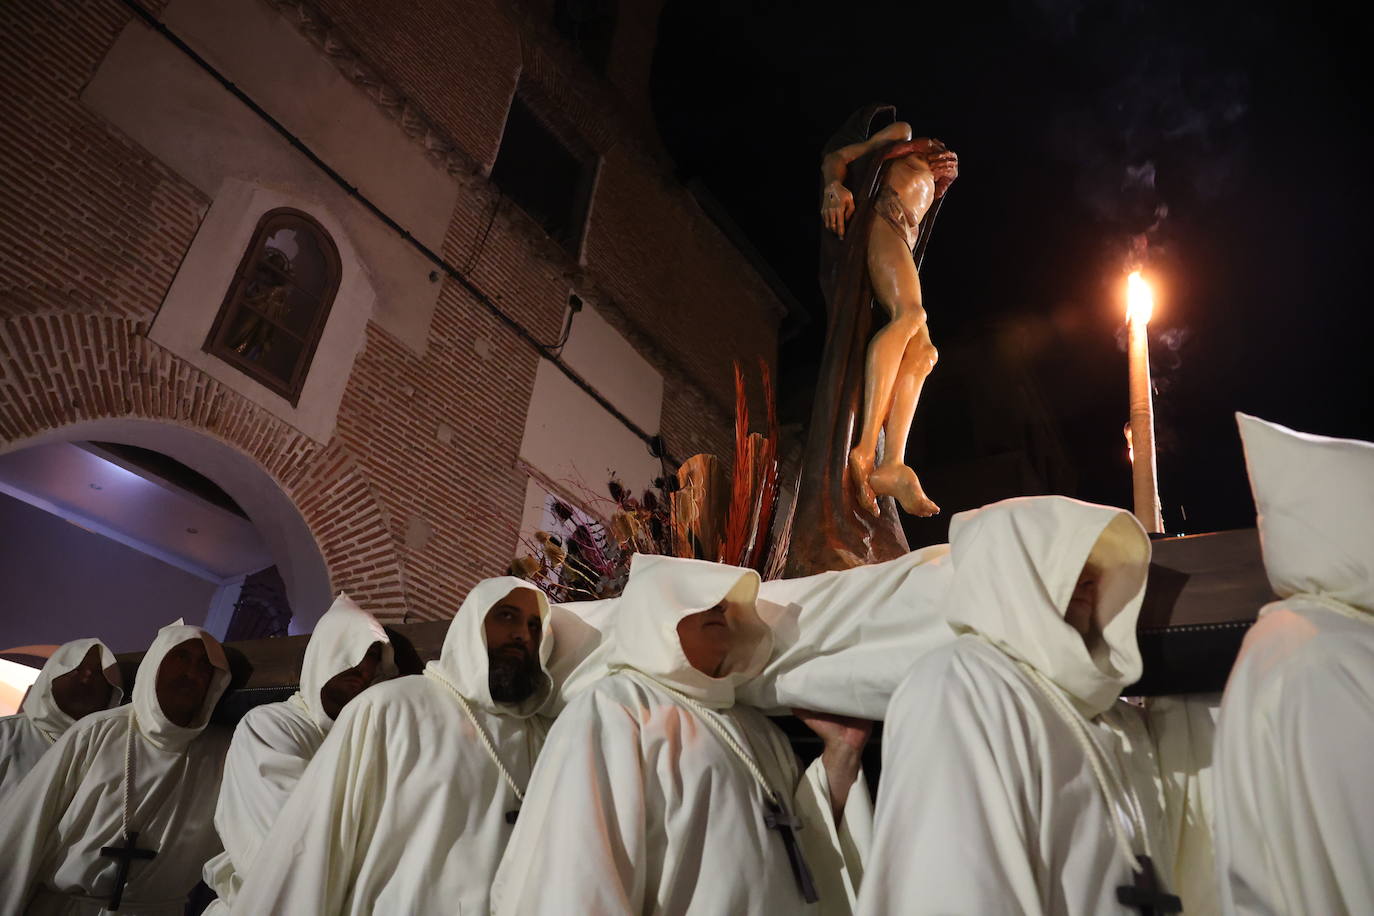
{"x": 898, "y": 288}
{"x": 893, "y": 477}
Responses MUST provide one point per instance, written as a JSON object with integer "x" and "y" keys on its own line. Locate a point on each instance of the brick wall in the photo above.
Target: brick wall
{"x": 418, "y": 495}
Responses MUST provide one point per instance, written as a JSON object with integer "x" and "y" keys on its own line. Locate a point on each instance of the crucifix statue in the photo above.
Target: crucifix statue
{"x": 125, "y": 854}
{"x": 881, "y": 189}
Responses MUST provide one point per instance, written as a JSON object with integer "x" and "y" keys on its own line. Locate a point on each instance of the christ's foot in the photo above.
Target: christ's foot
{"x": 900, "y": 482}
{"x": 860, "y": 469}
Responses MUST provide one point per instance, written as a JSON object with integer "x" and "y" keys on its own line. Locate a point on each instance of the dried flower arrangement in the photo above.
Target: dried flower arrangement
{"x": 696, "y": 513}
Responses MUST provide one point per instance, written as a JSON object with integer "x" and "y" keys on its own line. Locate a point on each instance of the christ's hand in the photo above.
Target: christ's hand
{"x": 837, "y": 206}
{"x": 945, "y": 167}
{"x": 844, "y": 738}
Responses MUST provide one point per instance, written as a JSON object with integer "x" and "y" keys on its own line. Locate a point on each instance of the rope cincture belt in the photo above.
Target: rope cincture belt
{"x": 129, "y": 851}
{"x": 777, "y": 815}
{"x": 486, "y": 744}
{"x": 1146, "y": 894}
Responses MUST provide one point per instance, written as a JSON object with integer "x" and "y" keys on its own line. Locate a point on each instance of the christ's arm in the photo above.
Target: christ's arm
{"x": 837, "y": 203}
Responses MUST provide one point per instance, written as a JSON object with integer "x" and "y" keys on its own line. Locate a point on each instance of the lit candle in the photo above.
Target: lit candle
{"x": 1139, "y": 305}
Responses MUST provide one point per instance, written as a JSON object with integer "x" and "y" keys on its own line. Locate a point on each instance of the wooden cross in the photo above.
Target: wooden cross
{"x": 512, "y": 815}
{"x": 778, "y": 818}
{"x": 1146, "y": 893}
{"x": 125, "y": 854}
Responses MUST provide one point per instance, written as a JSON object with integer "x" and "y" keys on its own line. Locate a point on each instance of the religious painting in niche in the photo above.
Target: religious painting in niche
{"x": 278, "y": 302}
{"x": 590, "y": 26}
{"x": 544, "y": 175}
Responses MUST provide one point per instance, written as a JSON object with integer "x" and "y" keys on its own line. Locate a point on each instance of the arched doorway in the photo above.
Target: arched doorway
{"x": 251, "y": 522}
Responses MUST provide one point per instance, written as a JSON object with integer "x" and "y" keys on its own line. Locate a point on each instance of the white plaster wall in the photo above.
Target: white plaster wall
{"x": 159, "y": 98}
{"x": 570, "y": 439}
{"x": 288, "y": 538}
{"x": 63, "y": 583}
{"x": 183, "y": 323}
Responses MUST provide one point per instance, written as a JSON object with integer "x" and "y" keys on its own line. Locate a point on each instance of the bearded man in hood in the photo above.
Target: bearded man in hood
{"x": 1295, "y": 738}
{"x": 408, "y": 804}
{"x": 348, "y": 652}
{"x": 118, "y": 814}
{"x": 1009, "y": 766}
{"x": 79, "y": 678}
{"x": 658, "y": 793}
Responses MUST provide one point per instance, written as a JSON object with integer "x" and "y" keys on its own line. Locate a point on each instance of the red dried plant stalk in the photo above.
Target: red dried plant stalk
{"x": 768, "y": 476}
{"x": 738, "y": 518}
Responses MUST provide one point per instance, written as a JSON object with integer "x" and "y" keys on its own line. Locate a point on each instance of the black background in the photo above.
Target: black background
{"x": 1232, "y": 136}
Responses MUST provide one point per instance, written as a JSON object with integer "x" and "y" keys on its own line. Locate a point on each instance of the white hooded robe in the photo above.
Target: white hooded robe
{"x": 273, "y": 743}
{"x": 989, "y": 803}
{"x": 26, "y": 736}
{"x": 1295, "y": 738}
{"x": 71, "y": 804}
{"x": 638, "y": 807}
{"x": 402, "y": 809}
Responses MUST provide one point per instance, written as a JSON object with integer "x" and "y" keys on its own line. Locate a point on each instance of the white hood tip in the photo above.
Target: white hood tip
{"x": 340, "y": 640}
{"x": 152, "y": 722}
{"x": 463, "y": 660}
{"x": 41, "y": 708}
{"x": 1314, "y": 500}
{"x": 660, "y": 592}
{"x": 1016, "y": 563}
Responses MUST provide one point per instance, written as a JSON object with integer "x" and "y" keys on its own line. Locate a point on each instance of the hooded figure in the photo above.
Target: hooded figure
{"x": 1295, "y": 739}
{"x": 656, "y": 789}
{"x": 83, "y": 671}
{"x": 348, "y": 652}
{"x": 151, "y": 768}
{"x": 407, "y": 805}
{"x": 1008, "y": 779}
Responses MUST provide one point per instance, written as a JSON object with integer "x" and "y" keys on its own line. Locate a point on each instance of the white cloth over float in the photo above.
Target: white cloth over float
{"x": 27, "y": 735}
{"x": 71, "y": 804}
{"x": 842, "y": 641}
{"x": 1295, "y": 739}
{"x": 649, "y": 795}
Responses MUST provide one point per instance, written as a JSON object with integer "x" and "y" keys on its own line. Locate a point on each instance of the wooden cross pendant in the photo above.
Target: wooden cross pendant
{"x": 512, "y": 815}
{"x": 125, "y": 854}
{"x": 778, "y": 818}
{"x": 1146, "y": 894}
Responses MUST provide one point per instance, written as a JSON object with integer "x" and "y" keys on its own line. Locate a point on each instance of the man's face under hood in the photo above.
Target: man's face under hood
{"x": 183, "y": 679}
{"x": 84, "y": 689}
{"x": 513, "y": 631}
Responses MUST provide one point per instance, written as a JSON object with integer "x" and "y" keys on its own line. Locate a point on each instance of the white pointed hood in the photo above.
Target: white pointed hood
{"x": 39, "y": 705}
{"x": 340, "y": 640}
{"x": 1016, "y": 563}
{"x": 153, "y": 724}
{"x": 463, "y": 660}
{"x": 1314, "y": 497}
{"x": 663, "y": 590}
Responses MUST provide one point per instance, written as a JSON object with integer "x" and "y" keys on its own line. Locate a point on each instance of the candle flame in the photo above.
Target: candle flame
{"x": 1140, "y": 300}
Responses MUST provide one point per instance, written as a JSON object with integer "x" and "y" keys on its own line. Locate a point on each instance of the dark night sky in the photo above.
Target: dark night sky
{"x": 1250, "y": 119}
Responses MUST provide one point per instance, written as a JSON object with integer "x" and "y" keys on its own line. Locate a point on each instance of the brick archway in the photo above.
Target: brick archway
{"x": 80, "y": 376}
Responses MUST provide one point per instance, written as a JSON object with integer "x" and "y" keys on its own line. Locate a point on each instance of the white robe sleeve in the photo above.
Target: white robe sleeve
{"x": 953, "y": 830}
{"x": 304, "y": 863}
{"x": 30, "y": 812}
{"x": 835, "y": 851}
{"x": 579, "y": 845}
{"x": 21, "y": 746}
{"x": 263, "y": 766}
